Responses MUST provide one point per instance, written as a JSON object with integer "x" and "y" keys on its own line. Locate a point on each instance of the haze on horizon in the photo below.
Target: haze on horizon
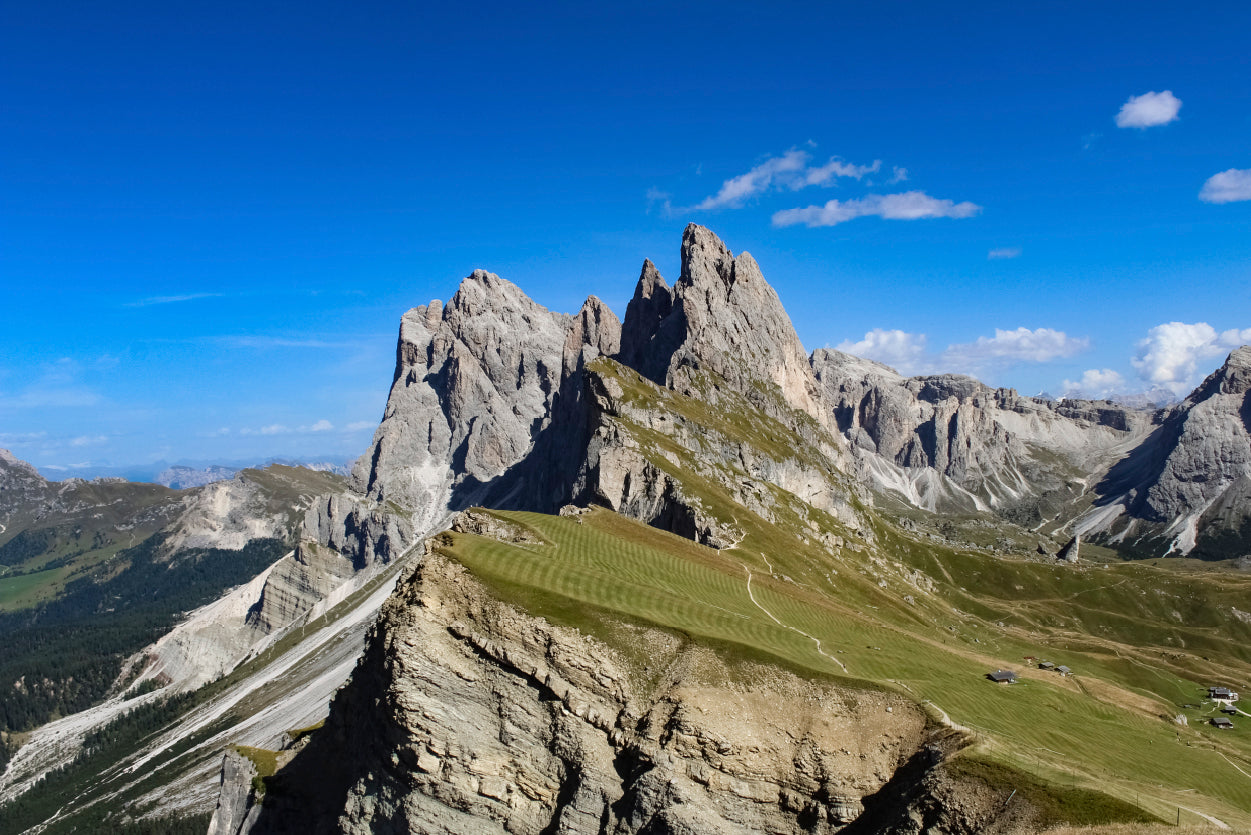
{"x": 213, "y": 218}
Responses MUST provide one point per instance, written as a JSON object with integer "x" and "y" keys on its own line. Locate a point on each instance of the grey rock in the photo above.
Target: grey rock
{"x": 1188, "y": 486}
{"x": 473, "y": 386}
{"x": 468, "y": 715}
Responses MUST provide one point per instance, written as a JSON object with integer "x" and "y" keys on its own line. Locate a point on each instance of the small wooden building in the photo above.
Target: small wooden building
{"x": 1064, "y": 671}
{"x": 1222, "y": 723}
{"x": 1002, "y": 676}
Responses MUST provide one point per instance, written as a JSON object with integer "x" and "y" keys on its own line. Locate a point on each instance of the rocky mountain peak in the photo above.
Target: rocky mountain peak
{"x": 644, "y": 347}
{"x": 1234, "y": 377}
{"x": 725, "y": 318}
{"x": 474, "y": 380}
{"x": 9, "y": 461}
{"x": 595, "y": 330}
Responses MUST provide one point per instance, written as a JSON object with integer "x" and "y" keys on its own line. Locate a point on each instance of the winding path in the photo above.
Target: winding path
{"x": 816, "y": 641}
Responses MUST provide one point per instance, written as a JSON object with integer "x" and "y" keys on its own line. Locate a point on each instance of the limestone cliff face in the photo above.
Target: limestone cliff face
{"x": 468, "y": 715}
{"x": 617, "y": 473}
{"x": 474, "y": 383}
{"x": 950, "y": 442}
{"x": 723, "y": 317}
{"x": 1189, "y": 485}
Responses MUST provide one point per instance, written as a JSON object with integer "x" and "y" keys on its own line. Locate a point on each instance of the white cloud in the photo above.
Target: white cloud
{"x": 1169, "y": 356}
{"x": 322, "y": 425}
{"x": 908, "y": 205}
{"x": 1007, "y": 347}
{"x": 737, "y": 189}
{"x": 901, "y": 350}
{"x": 1148, "y": 110}
{"x": 1004, "y": 253}
{"x": 88, "y": 440}
{"x": 22, "y": 437}
{"x": 898, "y": 175}
{"x": 358, "y": 425}
{"x": 835, "y": 168}
{"x": 791, "y": 170}
{"x": 1227, "y": 187}
{"x": 1095, "y": 384}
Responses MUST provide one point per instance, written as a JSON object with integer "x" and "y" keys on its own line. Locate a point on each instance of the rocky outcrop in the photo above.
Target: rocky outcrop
{"x": 466, "y": 714}
{"x": 1188, "y": 487}
{"x": 722, "y": 317}
{"x": 947, "y": 442}
{"x": 238, "y": 805}
{"x": 474, "y": 383}
{"x": 735, "y": 448}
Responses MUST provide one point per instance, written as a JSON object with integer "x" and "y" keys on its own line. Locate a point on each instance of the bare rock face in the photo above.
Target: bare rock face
{"x": 473, "y": 385}
{"x": 1188, "y": 487}
{"x": 948, "y": 442}
{"x": 468, "y": 715}
{"x": 723, "y": 317}
{"x": 21, "y": 486}
{"x": 238, "y": 805}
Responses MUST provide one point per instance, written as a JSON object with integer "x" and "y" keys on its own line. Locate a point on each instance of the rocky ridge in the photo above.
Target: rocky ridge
{"x": 1188, "y": 486}
{"x": 476, "y": 716}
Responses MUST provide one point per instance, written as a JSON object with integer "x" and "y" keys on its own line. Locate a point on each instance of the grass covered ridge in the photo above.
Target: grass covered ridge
{"x": 1103, "y": 731}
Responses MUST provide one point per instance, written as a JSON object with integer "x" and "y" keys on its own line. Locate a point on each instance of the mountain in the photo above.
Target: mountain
{"x": 93, "y": 571}
{"x": 1186, "y": 489}
{"x": 583, "y": 672}
{"x": 669, "y": 573}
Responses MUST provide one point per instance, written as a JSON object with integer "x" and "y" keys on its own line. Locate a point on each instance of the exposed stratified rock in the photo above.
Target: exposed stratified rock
{"x": 594, "y": 331}
{"x": 238, "y": 805}
{"x": 468, "y": 715}
{"x": 473, "y": 386}
{"x": 949, "y": 442}
{"x": 1189, "y": 486}
{"x": 726, "y": 319}
{"x": 22, "y": 488}
{"x": 645, "y": 345}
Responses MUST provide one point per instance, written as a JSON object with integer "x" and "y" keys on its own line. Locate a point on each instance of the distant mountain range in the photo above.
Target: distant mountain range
{"x": 186, "y": 473}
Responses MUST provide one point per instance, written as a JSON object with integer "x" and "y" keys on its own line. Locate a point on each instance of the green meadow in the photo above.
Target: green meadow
{"x": 1107, "y": 728}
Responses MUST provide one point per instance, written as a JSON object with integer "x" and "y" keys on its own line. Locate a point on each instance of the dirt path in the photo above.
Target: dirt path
{"x": 816, "y": 641}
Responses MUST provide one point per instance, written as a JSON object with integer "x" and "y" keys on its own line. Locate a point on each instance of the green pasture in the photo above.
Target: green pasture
{"x": 589, "y": 574}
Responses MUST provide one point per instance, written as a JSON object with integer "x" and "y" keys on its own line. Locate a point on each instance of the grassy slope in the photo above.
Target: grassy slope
{"x": 918, "y": 615}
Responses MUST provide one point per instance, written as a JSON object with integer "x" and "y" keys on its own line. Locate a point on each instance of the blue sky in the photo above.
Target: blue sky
{"x": 213, "y": 215}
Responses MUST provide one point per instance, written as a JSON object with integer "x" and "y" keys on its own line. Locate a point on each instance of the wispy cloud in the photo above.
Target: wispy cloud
{"x": 7, "y": 438}
{"x": 284, "y": 342}
{"x": 1148, "y": 110}
{"x": 188, "y": 297}
{"x": 59, "y": 397}
{"x": 1004, "y": 253}
{"x": 88, "y": 440}
{"x": 901, "y": 350}
{"x": 898, "y": 175}
{"x": 908, "y": 205}
{"x": 358, "y": 425}
{"x": 1227, "y": 187}
{"x": 1170, "y": 354}
{"x": 322, "y": 425}
{"x": 789, "y": 171}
